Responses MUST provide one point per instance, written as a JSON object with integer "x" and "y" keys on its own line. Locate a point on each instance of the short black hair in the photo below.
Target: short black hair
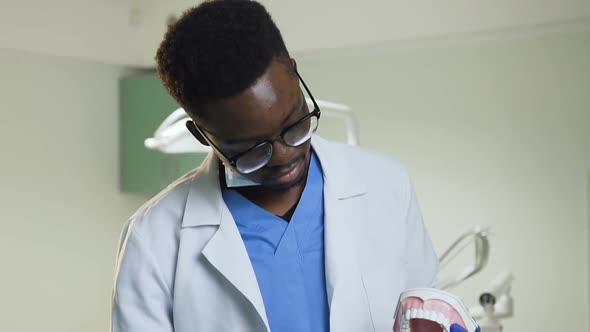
{"x": 217, "y": 50}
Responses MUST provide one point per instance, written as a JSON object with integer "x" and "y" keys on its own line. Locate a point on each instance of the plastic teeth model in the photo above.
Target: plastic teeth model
{"x": 433, "y": 305}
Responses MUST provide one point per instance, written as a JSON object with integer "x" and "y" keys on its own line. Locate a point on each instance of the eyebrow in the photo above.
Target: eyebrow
{"x": 293, "y": 110}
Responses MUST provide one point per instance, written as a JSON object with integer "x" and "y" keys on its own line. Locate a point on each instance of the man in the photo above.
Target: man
{"x": 278, "y": 229}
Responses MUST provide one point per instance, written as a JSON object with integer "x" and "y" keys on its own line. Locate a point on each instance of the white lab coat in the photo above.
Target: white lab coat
{"x": 182, "y": 265}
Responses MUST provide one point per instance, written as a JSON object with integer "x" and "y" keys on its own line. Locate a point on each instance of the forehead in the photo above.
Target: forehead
{"x": 258, "y": 111}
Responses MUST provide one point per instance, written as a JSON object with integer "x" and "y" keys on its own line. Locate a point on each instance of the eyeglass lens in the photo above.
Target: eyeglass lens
{"x": 259, "y": 156}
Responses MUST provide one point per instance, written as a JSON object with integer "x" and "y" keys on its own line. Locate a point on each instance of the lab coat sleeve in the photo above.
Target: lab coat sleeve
{"x": 422, "y": 264}
{"x": 142, "y": 301}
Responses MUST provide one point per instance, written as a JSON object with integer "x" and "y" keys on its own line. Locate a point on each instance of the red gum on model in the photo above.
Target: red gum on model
{"x": 433, "y": 305}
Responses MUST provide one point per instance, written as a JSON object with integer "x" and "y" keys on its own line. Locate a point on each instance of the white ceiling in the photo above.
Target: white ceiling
{"x": 127, "y": 32}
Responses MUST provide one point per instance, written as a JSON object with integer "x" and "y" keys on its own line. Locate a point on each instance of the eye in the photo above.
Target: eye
{"x": 296, "y": 116}
{"x": 239, "y": 147}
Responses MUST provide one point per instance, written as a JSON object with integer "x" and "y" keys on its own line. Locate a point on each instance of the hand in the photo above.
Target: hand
{"x": 459, "y": 328}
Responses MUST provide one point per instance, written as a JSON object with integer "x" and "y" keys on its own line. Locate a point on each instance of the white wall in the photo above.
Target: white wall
{"x": 495, "y": 133}
{"x": 61, "y": 210}
{"x": 315, "y": 26}
{"x": 128, "y": 32}
{"x": 104, "y": 31}
{"x": 320, "y": 25}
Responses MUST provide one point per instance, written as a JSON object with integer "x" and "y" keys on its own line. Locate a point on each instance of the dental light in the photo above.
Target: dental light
{"x": 172, "y": 136}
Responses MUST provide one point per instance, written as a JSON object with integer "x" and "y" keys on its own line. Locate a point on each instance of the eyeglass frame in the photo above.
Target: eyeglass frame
{"x": 233, "y": 159}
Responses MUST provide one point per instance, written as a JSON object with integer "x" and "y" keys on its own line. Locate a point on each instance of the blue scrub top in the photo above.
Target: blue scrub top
{"x": 288, "y": 257}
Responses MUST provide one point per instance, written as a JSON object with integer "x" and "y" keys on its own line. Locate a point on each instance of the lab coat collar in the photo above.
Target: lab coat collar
{"x": 204, "y": 203}
{"x": 339, "y": 175}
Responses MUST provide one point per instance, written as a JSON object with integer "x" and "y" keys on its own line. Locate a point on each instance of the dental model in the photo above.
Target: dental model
{"x": 433, "y": 305}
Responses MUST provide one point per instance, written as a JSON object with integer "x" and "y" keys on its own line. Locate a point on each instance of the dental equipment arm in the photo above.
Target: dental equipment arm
{"x": 480, "y": 237}
{"x": 173, "y": 137}
{"x": 496, "y": 303}
{"x": 340, "y": 111}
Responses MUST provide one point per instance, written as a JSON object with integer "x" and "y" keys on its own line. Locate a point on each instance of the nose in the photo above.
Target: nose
{"x": 282, "y": 154}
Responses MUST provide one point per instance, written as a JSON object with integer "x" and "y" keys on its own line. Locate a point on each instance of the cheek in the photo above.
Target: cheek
{"x": 306, "y": 148}
{"x": 296, "y": 152}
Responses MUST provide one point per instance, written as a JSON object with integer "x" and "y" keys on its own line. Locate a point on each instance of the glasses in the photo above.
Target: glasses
{"x": 260, "y": 154}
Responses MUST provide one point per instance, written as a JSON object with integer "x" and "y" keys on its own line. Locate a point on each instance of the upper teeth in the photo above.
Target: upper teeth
{"x": 427, "y": 314}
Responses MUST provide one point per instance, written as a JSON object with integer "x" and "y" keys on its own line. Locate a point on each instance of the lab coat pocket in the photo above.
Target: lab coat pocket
{"x": 349, "y": 310}
{"x": 383, "y": 284}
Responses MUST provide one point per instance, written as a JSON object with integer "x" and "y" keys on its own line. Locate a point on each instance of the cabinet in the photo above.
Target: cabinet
{"x": 144, "y": 104}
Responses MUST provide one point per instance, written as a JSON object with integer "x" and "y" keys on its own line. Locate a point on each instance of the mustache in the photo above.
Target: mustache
{"x": 298, "y": 159}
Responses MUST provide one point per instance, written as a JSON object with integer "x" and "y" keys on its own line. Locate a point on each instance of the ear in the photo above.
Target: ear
{"x": 190, "y": 125}
{"x": 294, "y": 63}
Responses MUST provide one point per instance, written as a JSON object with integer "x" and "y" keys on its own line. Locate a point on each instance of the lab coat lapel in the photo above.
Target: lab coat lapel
{"x": 225, "y": 250}
{"x": 227, "y": 253}
{"x": 345, "y": 207}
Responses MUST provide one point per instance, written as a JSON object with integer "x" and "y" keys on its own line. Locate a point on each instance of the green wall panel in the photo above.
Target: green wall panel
{"x": 144, "y": 104}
